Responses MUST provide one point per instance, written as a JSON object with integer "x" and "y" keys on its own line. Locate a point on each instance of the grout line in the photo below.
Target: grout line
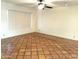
{"x": 37, "y": 51}
{"x": 25, "y": 49}
{"x": 15, "y": 45}
{"x": 56, "y": 52}
{"x": 20, "y": 47}
{"x": 65, "y": 49}
{"x": 22, "y": 41}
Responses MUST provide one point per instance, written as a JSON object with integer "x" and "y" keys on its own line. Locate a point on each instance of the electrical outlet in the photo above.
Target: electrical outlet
{"x": 38, "y": 29}
{"x": 74, "y": 36}
{"x": 3, "y": 34}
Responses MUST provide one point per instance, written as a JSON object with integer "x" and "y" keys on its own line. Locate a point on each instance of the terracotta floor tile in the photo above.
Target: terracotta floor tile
{"x": 64, "y": 52}
{"x": 28, "y": 49}
{"x": 22, "y": 50}
{"x": 14, "y": 53}
{"x": 39, "y": 49}
{"x": 55, "y": 56}
{"x": 74, "y": 55}
{"x": 19, "y": 57}
{"x": 41, "y": 56}
{"x": 27, "y": 57}
{"x": 21, "y": 53}
{"x": 34, "y": 49}
{"x": 5, "y": 57}
{"x": 40, "y": 52}
{"x": 34, "y": 52}
{"x": 34, "y": 56}
{"x": 46, "y": 52}
{"x": 28, "y": 53}
{"x": 38, "y": 46}
{"x": 13, "y": 57}
{"x": 48, "y": 56}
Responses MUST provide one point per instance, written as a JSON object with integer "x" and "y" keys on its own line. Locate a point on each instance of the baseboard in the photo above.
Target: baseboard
{"x": 50, "y": 36}
{"x": 41, "y": 34}
{"x": 16, "y": 35}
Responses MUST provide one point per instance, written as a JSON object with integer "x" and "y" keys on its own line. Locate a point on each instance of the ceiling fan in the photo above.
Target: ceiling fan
{"x": 42, "y": 5}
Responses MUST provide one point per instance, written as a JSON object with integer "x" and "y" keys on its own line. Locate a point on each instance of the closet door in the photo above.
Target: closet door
{"x": 19, "y": 21}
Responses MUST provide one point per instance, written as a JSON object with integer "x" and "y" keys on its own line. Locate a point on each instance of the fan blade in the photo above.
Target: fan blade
{"x": 48, "y": 7}
{"x": 40, "y": 0}
{"x": 40, "y": 3}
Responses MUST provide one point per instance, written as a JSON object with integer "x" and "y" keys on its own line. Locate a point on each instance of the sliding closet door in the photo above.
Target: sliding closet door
{"x": 19, "y": 22}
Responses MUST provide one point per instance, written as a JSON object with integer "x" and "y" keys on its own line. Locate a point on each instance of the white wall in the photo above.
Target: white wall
{"x": 6, "y": 32}
{"x": 60, "y": 22}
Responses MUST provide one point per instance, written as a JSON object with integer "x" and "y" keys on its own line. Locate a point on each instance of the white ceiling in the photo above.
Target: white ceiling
{"x": 32, "y": 3}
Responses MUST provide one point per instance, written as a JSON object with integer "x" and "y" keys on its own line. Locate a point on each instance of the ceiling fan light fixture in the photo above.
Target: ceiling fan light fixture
{"x": 41, "y": 6}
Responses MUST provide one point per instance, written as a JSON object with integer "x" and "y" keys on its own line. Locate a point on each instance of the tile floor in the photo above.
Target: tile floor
{"x": 35, "y": 46}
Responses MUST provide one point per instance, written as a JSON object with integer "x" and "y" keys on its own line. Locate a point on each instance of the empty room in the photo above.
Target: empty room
{"x": 39, "y": 29}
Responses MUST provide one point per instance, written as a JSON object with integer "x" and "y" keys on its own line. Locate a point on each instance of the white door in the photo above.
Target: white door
{"x": 19, "y": 22}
